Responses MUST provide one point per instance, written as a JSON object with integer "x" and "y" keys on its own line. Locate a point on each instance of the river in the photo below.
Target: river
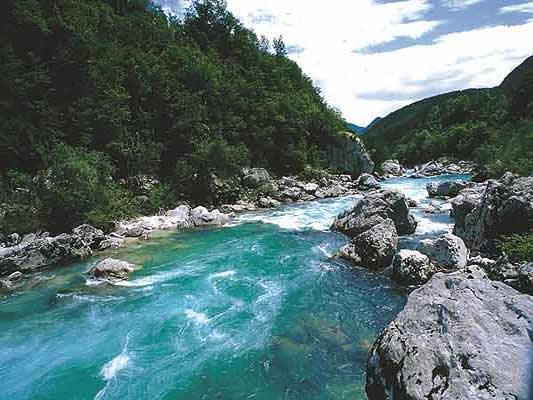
{"x": 254, "y": 310}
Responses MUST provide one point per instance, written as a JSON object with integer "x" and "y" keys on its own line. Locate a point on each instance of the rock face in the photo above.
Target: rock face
{"x": 367, "y": 182}
{"x": 374, "y": 248}
{"x": 255, "y": 177}
{"x": 391, "y": 168}
{"x": 373, "y": 209}
{"x": 518, "y": 276}
{"x": 36, "y": 252}
{"x": 447, "y": 251}
{"x": 460, "y": 336}
{"x": 411, "y": 267}
{"x": 349, "y": 154}
{"x": 445, "y": 189}
{"x": 492, "y": 210}
{"x": 111, "y": 269}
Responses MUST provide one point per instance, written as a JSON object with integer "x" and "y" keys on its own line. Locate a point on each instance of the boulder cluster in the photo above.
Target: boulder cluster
{"x": 465, "y": 333}
{"x": 264, "y": 191}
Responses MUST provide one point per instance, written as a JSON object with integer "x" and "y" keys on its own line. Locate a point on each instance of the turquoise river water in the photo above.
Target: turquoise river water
{"x": 254, "y": 310}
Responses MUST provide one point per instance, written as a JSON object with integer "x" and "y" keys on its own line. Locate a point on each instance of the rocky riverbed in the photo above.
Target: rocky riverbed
{"x": 467, "y": 307}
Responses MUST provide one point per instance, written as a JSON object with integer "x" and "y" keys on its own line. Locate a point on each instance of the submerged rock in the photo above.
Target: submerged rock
{"x": 111, "y": 270}
{"x": 410, "y": 267}
{"x": 373, "y": 209}
{"x": 373, "y": 248}
{"x": 447, "y": 251}
{"x": 460, "y": 336}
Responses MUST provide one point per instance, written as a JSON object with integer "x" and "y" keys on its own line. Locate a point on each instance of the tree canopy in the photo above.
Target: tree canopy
{"x": 120, "y": 83}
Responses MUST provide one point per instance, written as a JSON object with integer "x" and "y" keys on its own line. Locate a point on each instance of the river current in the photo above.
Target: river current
{"x": 254, "y": 310}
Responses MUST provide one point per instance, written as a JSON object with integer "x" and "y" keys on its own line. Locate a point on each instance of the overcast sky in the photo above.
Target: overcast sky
{"x": 371, "y": 57}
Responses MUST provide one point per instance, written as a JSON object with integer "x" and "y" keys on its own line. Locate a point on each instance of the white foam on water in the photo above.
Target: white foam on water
{"x": 222, "y": 275}
{"x": 113, "y": 367}
{"x": 151, "y": 280}
{"x": 196, "y": 317}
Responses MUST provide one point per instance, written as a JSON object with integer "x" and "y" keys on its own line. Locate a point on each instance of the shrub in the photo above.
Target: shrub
{"x": 517, "y": 247}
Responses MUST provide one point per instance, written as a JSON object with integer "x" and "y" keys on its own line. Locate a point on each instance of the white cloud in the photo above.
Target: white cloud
{"x": 518, "y": 8}
{"x": 333, "y": 39}
{"x": 456, "y": 5}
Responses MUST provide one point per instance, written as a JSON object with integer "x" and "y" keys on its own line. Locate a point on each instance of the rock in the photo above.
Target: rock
{"x": 112, "y": 243}
{"x": 436, "y": 208}
{"x": 485, "y": 263}
{"x": 460, "y": 336}
{"x": 373, "y": 248}
{"x": 501, "y": 209}
{"x": 41, "y": 253}
{"x": 12, "y": 281}
{"x": 292, "y": 193}
{"x": 410, "y": 267}
{"x": 90, "y": 235}
{"x": 239, "y": 207}
{"x": 374, "y": 209}
{"x": 367, "y": 181}
{"x": 310, "y": 188}
{"x": 268, "y": 202}
{"x": 412, "y": 203}
{"x": 179, "y": 214}
{"x": 111, "y": 269}
{"x": 348, "y": 153}
{"x": 432, "y": 168}
{"x": 525, "y": 278}
{"x": 392, "y": 168}
{"x": 255, "y": 177}
{"x": 200, "y": 216}
{"x": 447, "y": 251}
{"x": 334, "y": 190}
{"x": 445, "y": 189}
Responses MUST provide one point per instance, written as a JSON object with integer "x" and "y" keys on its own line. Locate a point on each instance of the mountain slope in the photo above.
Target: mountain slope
{"x": 98, "y": 95}
{"x": 491, "y": 126}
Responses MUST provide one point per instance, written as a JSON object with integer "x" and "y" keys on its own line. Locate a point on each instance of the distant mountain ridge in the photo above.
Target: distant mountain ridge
{"x": 361, "y": 130}
{"x": 492, "y": 126}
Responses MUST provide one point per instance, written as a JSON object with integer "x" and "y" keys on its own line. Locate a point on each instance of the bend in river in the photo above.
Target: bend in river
{"x": 257, "y": 309}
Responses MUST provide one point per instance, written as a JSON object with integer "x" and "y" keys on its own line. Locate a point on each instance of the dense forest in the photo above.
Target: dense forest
{"x": 493, "y": 127}
{"x": 99, "y": 97}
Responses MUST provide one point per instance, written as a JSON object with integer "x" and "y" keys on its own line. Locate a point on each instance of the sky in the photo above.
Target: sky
{"x": 371, "y": 57}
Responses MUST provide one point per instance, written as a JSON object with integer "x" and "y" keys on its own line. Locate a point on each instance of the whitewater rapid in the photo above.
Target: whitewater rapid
{"x": 258, "y": 309}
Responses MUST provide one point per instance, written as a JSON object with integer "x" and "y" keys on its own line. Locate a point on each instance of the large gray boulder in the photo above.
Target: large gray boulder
{"x": 445, "y": 189}
{"x": 32, "y": 255}
{"x": 505, "y": 207}
{"x": 447, "y": 251}
{"x": 410, "y": 267}
{"x": 255, "y": 177}
{"x": 373, "y": 209}
{"x": 367, "y": 182}
{"x": 111, "y": 270}
{"x": 348, "y": 153}
{"x": 460, "y": 336}
{"x": 200, "y": 217}
{"x": 374, "y": 248}
{"x": 392, "y": 168}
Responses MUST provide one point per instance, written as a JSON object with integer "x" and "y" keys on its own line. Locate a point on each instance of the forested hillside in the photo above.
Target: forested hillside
{"x": 96, "y": 94}
{"x": 493, "y": 127}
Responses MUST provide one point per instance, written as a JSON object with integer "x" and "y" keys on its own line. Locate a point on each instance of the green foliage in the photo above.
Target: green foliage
{"x": 120, "y": 84}
{"x": 517, "y": 247}
{"x": 493, "y": 127}
{"x": 77, "y": 187}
